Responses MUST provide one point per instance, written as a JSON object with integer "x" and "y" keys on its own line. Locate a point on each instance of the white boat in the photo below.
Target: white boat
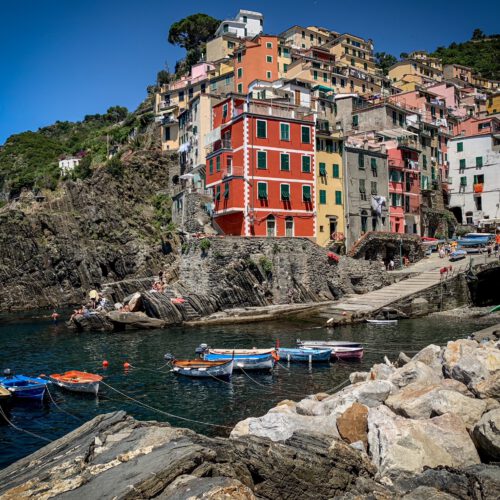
{"x": 322, "y": 344}
{"x": 382, "y": 321}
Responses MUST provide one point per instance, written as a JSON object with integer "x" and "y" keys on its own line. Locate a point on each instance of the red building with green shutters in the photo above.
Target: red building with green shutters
{"x": 261, "y": 169}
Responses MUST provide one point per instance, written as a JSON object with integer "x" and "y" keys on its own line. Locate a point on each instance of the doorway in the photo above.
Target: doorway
{"x": 271, "y": 226}
{"x": 289, "y": 227}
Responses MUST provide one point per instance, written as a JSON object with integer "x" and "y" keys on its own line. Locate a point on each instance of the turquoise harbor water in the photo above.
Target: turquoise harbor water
{"x": 31, "y": 344}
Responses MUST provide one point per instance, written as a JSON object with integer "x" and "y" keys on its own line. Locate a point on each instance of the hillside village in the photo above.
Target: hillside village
{"x": 301, "y": 134}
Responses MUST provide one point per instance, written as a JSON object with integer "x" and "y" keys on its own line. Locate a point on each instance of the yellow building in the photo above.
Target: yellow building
{"x": 419, "y": 70}
{"x": 493, "y": 104}
{"x": 354, "y": 52}
{"x": 221, "y": 47}
{"x": 329, "y": 188}
{"x": 299, "y": 37}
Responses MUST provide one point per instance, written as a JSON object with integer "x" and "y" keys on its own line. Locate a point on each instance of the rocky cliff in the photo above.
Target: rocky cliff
{"x": 54, "y": 248}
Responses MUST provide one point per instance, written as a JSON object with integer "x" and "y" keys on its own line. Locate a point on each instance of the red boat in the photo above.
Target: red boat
{"x": 77, "y": 381}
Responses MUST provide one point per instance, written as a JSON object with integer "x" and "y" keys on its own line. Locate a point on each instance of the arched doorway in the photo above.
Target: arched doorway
{"x": 457, "y": 212}
{"x": 289, "y": 229}
{"x": 271, "y": 226}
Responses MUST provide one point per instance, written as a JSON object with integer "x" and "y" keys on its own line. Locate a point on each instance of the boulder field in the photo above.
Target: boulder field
{"x": 423, "y": 427}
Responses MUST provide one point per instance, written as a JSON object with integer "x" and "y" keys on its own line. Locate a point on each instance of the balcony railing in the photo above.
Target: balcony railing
{"x": 218, "y": 146}
{"x": 233, "y": 171}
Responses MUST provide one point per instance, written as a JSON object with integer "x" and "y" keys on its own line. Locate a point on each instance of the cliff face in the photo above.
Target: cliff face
{"x": 84, "y": 234}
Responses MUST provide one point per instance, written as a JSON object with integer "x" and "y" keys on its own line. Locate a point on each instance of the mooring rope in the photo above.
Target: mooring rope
{"x": 23, "y": 430}
{"x": 152, "y": 408}
{"x": 59, "y": 408}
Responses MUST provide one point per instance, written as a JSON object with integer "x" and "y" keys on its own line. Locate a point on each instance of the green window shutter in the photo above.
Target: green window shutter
{"x": 462, "y": 164}
{"x": 240, "y": 88}
{"x": 285, "y": 68}
{"x": 336, "y": 171}
{"x": 226, "y": 190}
{"x": 261, "y": 129}
{"x": 479, "y": 161}
{"x": 315, "y": 74}
{"x": 463, "y": 181}
{"x": 322, "y": 169}
{"x": 261, "y": 159}
{"x": 285, "y": 132}
{"x": 355, "y": 120}
{"x": 306, "y": 135}
{"x": 460, "y": 147}
{"x": 424, "y": 160}
{"x": 262, "y": 190}
{"x": 306, "y": 164}
{"x": 373, "y": 163}
{"x": 361, "y": 161}
{"x": 211, "y": 166}
{"x": 475, "y": 179}
{"x": 338, "y": 197}
{"x": 217, "y": 164}
{"x": 362, "y": 188}
{"x": 217, "y": 192}
{"x": 322, "y": 197}
{"x": 285, "y": 192}
{"x": 284, "y": 161}
{"x": 306, "y": 193}
{"x": 269, "y": 59}
{"x": 325, "y": 77}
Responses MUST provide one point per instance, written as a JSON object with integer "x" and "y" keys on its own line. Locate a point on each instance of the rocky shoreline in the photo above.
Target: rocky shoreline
{"x": 425, "y": 427}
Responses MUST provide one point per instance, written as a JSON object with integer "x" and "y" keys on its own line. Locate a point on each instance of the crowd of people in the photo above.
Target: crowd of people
{"x": 97, "y": 302}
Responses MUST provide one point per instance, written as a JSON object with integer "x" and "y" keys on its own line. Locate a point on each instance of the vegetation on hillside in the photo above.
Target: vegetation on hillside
{"x": 30, "y": 159}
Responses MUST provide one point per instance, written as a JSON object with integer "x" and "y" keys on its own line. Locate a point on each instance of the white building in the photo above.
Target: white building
{"x": 474, "y": 157}
{"x": 246, "y": 24}
{"x": 68, "y": 164}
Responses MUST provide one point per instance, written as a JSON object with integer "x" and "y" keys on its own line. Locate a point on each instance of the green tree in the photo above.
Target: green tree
{"x": 84, "y": 168}
{"x": 403, "y": 55}
{"x": 116, "y": 113}
{"x": 478, "y": 34}
{"x": 384, "y": 61}
{"x": 163, "y": 77}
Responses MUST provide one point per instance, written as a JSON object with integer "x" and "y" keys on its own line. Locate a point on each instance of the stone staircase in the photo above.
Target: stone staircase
{"x": 188, "y": 312}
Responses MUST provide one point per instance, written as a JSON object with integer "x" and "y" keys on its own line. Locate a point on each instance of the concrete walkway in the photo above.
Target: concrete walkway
{"x": 422, "y": 275}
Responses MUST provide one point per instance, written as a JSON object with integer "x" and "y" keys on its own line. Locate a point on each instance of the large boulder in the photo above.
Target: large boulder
{"x": 486, "y": 434}
{"x": 431, "y": 356}
{"x": 489, "y": 387}
{"x": 188, "y": 487}
{"x": 353, "y": 424}
{"x": 454, "y": 351}
{"x": 138, "y": 320}
{"x": 415, "y": 371}
{"x": 398, "y": 444}
{"x": 477, "y": 365}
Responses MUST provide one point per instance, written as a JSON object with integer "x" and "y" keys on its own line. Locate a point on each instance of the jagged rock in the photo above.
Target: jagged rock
{"x": 431, "y": 356}
{"x": 135, "y": 302}
{"x": 415, "y": 371}
{"x": 381, "y": 371}
{"x": 402, "y": 359}
{"x": 486, "y": 435}
{"x": 137, "y": 320}
{"x": 353, "y": 424}
{"x": 93, "y": 321}
{"x": 426, "y": 492}
{"x": 356, "y": 377}
{"x": 478, "y": 365}
{"x": 454, "y": 351}
{"x": 489, "y": 387}
{"x": 398, "y": 444}
{"x": 421, "y": 401}
{"x": 206, "y": 488}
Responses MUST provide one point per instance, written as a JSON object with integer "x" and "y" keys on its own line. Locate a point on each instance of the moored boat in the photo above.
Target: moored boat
{"x": 347, "y": 352}
{"x": 325, "y": 344}
{"x": 244, "y": 359}
{"x": 304, "y": 354}
{"x": 23, "y": 387}
{"x": 199, "y": 368}
{"x": 77, "y": 381}
{"x": 382, "y": 321}
{"x": 5, "y": 395}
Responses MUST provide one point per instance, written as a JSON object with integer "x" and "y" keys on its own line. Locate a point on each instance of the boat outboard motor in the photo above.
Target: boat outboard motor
{"x": 201, "y": 349}
{"x": 169, "y": 357}
{"x": 7, "y": 372}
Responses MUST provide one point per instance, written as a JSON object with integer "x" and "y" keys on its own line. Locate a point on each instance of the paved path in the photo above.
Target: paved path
{"x": 427, "y": 275}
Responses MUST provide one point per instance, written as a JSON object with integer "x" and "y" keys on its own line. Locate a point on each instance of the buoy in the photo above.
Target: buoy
{"x": 126, "y": 365}
{"x": 105, "y": 364}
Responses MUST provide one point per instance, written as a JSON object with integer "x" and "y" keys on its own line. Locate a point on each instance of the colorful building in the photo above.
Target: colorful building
{"x": 261, "y": 168}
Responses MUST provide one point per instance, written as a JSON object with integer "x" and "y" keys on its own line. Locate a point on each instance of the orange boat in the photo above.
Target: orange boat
{"x": 77, "y": 381}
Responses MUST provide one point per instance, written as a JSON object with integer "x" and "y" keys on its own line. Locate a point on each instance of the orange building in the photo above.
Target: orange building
{"x": 261, "y": 168}
{"x": 256, "y": 59}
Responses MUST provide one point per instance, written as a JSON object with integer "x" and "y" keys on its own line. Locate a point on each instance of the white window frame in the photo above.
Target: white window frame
{"x": 302, "y": 127}
{"x": 267, "y": 59}
{"x": 288, "y": 125}
{"x": 267, "y": 190}
{"x": 257, "y": 159}
{"x": 269, "y": 45}
{"x": 293, "y": 225}
{"x": 257, "y": 128}
{"x": 284, "y": 153}
{"x": 269, "y": 75}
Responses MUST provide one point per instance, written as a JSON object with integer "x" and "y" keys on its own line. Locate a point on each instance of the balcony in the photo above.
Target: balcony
{"x": 219, "y": 145}
{"x": 166, "y": 105}
{"x": 280, "y": 112}
{"x": 233, "y": 171}
{"x": 408, "y": 142}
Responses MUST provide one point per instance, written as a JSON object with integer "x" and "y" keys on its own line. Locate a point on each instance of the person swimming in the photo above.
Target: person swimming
{"x": 54, "y": 316}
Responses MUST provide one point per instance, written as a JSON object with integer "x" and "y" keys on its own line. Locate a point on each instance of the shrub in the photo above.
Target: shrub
{"x": 266, "y": 265}
{"x": 205, "y": 244}
{"x": 115, "y": 167}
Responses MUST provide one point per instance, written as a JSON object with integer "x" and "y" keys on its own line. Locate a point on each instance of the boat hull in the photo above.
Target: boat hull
{"x": 241, "y": 362}
{"x": 86, "y": 387}
{"x": 77, "y": 381}
{"x": 326, "y": 344}
{"x": 220, "y": 370}
{"x": 304, "y": 355}
{"x": 382, "y": 321}
{"x": 347, "y": 353}
{"x": 22, "y": 387}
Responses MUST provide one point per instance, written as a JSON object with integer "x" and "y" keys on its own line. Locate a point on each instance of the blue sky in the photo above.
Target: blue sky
{"x": 63, "y": 59}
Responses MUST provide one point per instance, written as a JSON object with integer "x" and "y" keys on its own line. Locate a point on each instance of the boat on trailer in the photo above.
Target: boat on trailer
{"x": 23, "y": 387}
{"x": 305, "y": 355}
{"x": 244, "y": 359}
{"x": 77, "y": 381}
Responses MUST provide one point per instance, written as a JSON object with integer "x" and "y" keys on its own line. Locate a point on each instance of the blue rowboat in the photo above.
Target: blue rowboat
{"x": 304, "y": 354}
{"x": 245, "y": 361}
{"x": 198, "y": 368}
{"x": 23, "y": 387}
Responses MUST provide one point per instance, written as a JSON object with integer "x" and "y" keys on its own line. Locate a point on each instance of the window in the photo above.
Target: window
{"x": 361, "y": 161}
{"x": 463, "y": 181}
{"x": 217, "y": 164}
{"x": 462, "y": 164}
{"x": 240, "y": 88}
{"x": 322, "y": 197}
{"x": 203, "y": 88}
{"x": 303, "y": 34}
{"x": 239, "y": 57}
{"x": 269, "y": 59}
{"x": 364, "y": 221}
{"x": 261, "y": 159}
{"x": 240, "y": 72}
{"x": 322, "y": 169}
{"x": 362, "y": 189}
{"x": 284, "y": 161}
{"x": 325, "y": 77}
{"x": 285, "y": 192}
{"x": 401, "y": 120}
{"x": 211, "y": 163}
{"x": 479, "y": 202}
{"x": 226, "y": 190}
{"x": 213, "y": 86}
{"x": 460, "y": 147}
{"x": 342, "y": 82}
{"x": 394, "y": 118}
{"x": 338, "y": 197}
{"x": 261, "y": 129}
{"x": 224, "y": 111}
{"x": 424, "y": 161}
{"x": 306, "y": 134}
{"x": 315, "y": 74}
{"x": 479, "y": 179}
{"x": 355, "y": 120}
{"x": 268, "y": 75}
{"x": 228, "y": 79}
{"x": 217, "y": 192}
{"x": 365, "y": 66}
{"x": 306, "y": 164}
{"x": 479, "y": 161}
{"x": 269, "y": 45}
{"x": 284, "y": 131}
{"x": 373, "y": 187}
{"x": 306, "y": 193}
{"x": 353, "y": 62}
{"x": 262, "y": 190}
{"x": 336, "y": 171}
{"x": 181, "y": 96}
{"x": 373, "y": 164}
{"x": 230, "y": 45}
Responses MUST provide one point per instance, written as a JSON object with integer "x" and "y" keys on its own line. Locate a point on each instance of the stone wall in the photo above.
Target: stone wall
{"x": 188, "y": 211}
